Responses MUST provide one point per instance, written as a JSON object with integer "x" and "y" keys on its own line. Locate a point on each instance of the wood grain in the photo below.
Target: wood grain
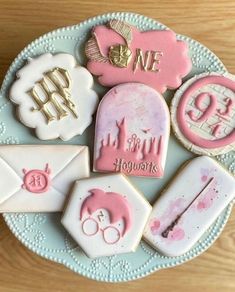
{"x": 210, "y": 22}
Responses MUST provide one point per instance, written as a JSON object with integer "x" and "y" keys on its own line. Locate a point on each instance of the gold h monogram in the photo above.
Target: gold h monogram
{"x": 57, "y": 101}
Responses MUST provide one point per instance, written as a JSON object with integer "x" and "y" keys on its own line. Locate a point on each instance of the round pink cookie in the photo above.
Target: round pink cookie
{"x": 119, "y": 53}
{"x": 132, "y": 131}
{"x": 203, "y": 114}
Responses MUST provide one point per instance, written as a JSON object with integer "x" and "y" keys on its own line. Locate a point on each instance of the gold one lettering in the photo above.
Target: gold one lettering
{"x": 147, "y": 61}
{"x": 58, "y": 99}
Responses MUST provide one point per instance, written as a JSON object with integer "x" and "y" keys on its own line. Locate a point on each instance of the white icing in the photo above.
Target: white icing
{"x": 82, "y": 95}
{"x": 217, "y": 189}
{"x": 67, "y": 163}
{"x": 95, "y": 246}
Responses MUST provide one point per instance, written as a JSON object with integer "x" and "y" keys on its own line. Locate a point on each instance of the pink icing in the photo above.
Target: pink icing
{"x": 206, "y": 200}
{"x": 158, "y": 225}
{"x": 204, "y": 174}
{"x": 116, "y": 156}
{"x": 174, "y": 62}
{"x": 204, "y": 178}
{"x": 154, "y": 226}
{"x": 206, "y": 112}
{"x": 176, "y": 234}
{"x": 168, "y": 224}
{"x": 181, "y": 113}
{"x": 132, "y": 131}
{"x": 117, "y": 206}
{"x": 37, "y": 181}
{"x": 229, "y": 106}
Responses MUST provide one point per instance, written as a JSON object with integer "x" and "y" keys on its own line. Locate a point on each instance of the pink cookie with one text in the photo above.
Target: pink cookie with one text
{"x": 119, "y": 53}
{"x": 132, "y": 131}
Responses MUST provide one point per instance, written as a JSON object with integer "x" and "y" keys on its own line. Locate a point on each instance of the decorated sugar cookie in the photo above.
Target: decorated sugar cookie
{"x": 38, "y": 178}
{"x": 132, "y": 131}
{"x": 54, "y": 95}
{"x": 106, "y": 215}
{"x": 203, "y": 114}
{"x": 189, "y": 205}
{"x": 119, "y": 53}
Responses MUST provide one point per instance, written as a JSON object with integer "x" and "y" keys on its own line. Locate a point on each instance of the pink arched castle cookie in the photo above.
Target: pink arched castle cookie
{"x": 106, "y": 215}
{"x": 132, "y": 131}
{"x": 203, "y": 113}
{"x": 119, "y": 53}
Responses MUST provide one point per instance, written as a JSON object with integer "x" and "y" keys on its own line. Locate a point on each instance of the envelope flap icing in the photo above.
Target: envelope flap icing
{"x": 48, "y": 202}
{"x": 31, "y": 157}
{"x": 10, "y": 182}
{"x": 77, "y": 168}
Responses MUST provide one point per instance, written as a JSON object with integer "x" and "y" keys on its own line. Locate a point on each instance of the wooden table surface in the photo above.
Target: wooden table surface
{"x": 210, "y": 22}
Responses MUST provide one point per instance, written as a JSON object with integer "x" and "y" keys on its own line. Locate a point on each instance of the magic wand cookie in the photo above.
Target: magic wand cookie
{"x": 189, "y": 205}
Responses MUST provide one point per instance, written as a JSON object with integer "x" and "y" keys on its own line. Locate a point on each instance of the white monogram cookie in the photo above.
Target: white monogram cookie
{"x": 54, "y": 95}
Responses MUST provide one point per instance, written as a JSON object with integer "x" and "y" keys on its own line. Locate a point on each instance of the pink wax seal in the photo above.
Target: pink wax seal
{"x": 132, "y": 131}
{"x": 37, "y": 181}
{"x": 203, "y": 114}
{"x": 119, "y": 53}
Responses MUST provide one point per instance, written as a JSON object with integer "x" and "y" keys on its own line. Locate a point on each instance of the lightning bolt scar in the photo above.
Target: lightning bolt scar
{"x": 100, "y": 216}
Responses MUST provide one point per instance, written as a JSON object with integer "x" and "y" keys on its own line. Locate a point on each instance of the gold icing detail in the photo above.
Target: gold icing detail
{"x": 147, "y": 61}
{"x": 155, "y": 61}
{"x": 93, "y": 52}
{"x": 56, "y": 101}
{"x": 120, "y": 56}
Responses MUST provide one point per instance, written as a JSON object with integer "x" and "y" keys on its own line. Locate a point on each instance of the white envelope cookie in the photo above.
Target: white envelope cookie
{"x": 37, "y": 178}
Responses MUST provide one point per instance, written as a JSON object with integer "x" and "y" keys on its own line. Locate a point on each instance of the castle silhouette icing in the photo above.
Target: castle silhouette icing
{"x": 130, "y": 155}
